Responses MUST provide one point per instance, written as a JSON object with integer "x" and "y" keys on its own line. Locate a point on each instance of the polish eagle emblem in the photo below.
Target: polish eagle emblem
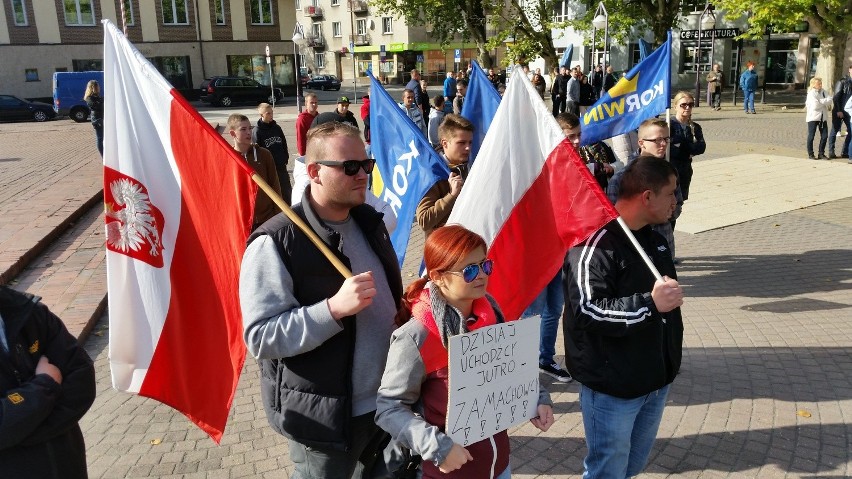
{"x": 134, "y": 226}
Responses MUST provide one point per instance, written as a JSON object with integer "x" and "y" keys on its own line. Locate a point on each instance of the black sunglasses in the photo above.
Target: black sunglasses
{"x": 471, "y": 271}
{"x": 351, "y": 167}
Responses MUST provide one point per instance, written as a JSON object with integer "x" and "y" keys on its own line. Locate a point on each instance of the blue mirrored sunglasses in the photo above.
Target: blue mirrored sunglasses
{"x": 471, "y": 271}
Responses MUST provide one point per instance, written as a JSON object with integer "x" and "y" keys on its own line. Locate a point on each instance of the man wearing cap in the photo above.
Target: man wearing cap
{"x": 343, "y": 113}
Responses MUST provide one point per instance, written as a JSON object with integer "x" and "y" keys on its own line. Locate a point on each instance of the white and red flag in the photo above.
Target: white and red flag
{"x": 530, "y": 196}
{"x": 179, "y": 204}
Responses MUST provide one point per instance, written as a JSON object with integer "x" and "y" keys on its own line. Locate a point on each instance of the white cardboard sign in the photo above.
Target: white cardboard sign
{"x": 493, "y": 379}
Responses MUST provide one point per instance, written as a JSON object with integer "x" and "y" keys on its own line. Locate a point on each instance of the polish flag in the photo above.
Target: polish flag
{"x": 530, "y": 196}
{"x": 179, "y": 204}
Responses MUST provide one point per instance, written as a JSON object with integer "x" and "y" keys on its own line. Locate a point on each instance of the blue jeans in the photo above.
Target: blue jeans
{"x": 813, "y": 126}
{"x": 748, "y": 100}
{"x": 836, "y": 123}
{"x": 548, "y": 304}
{"x": 506, "y": 474}
{"x": 365, "y": 449}
{"x": 99, "y": 136}
{"x": 619, "y": 432}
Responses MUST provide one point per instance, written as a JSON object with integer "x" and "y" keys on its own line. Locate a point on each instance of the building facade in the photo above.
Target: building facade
{"x": 783, "y": 60}
{"x": 187, "y": 40}
{"x": 345, "y": 38}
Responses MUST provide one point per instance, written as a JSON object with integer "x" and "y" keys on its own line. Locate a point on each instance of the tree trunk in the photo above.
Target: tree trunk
{"x": 830, "y": 60}
{"x": 484, "y": 57}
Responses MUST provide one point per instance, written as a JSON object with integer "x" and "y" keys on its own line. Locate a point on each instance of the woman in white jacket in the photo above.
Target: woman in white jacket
{"x": 817, "y": 114}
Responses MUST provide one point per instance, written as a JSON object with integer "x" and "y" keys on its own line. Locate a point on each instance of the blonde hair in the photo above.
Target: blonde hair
{"x": 263, "y": 107}
{"x": 681, "y": 95}
{"x": 235, "y": 120}
{"x": 814, "y": 81}
{"x": 90, "y": 89}
{"x": 315, "y": 144}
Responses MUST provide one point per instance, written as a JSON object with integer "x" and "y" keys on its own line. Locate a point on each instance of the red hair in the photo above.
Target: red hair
{"x": 749, "y": 63}
{"x": 445, "y": 247}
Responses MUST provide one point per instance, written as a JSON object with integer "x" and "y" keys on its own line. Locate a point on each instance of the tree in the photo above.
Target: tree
{"x": 658, "y": 16}
{"x": 830, "y": 18}
{"x": 527, "y": 25}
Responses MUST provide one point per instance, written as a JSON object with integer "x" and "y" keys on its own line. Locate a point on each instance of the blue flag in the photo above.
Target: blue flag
{"x": 480, "y": 106}
{"x": 644, "y": 49}
{"x": 644, "y": 92}
{"x": 566, "y": 57}
{"x": 407, "y": 164}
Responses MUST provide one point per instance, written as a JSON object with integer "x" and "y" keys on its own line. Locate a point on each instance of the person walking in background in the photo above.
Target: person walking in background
{"x": 748, "y": 84}
{"x": 842, "y": 94}
{"x": 47, "y": 383}
{"x": 95, "y": 101}
{"x": 558, "y": 91}
{"x": 414, "y": 86}
{"x": 539, "y": 84}
{"x": 597, "y": 80}
{"x": 413, "y": 111}
{"x": 412, "y": 399}
{"x": 269, "y": 135}
{"x": 714, "y": 88}
{"x": 816, "y": 115}
{"x": 425, "y": 103}
{"x": 587, "y": 94}
{"x": 461, "y": 91}
{"x": 449, "y": 89}
{"x": 436, "y": 117}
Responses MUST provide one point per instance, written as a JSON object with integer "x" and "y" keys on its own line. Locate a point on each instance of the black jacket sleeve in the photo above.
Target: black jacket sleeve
{"x": 77, "y": 391}
{"x": 24, "y": 409}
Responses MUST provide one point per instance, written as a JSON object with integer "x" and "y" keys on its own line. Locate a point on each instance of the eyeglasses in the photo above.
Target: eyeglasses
{"x": 471, "y": 271}
{"x": 351, "y": 167}
{"x": 687, "y": 105}
{"x": 658, "y": 141}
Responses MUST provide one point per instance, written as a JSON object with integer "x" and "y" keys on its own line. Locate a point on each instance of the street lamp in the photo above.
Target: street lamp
{"x": 601, "y": 21}
{"x": 298, "y": 41}
{"x": 706, "y": 21}
{"x": 766, "y": 65}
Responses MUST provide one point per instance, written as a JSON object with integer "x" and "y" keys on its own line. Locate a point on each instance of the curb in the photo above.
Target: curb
{"x": 93, "y": 320}
{"x": 18, "y": 266}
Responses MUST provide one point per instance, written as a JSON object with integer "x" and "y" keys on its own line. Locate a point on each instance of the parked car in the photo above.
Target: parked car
{"x": 225, "y": 91}
{"x": 324, "y": 82}
{"x": 13, "y": 108}
{"x": 304, "y": 79}
{"x": 68, "y": 91}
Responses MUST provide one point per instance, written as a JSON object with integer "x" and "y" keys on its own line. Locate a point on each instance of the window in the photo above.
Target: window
{"x": 319, "y": 60}
{"x": 316, "y": 30}
{"x": 298, "y": 5}
{"x": 89, "y": 65}
{"x": 691, "y": 6}
{"x": 31, "y": 74}
{"x": 219, "y": 6}
{"x": 261, "y": 12}
{"x": 688, "y": 56}
{"x": 560, "y": 11}
{"x": 175, "y": 12}
{"x": 128, "y": 12}
{"x": 79, "y": 12}
{"x": 635, "y": 54}
{"x": 387, "y": 25}
{"x": 361, "y": 27}
{"x": 19, "y": 11}
{"x": 335, "y": 29}
{"x": 335, "y": 3}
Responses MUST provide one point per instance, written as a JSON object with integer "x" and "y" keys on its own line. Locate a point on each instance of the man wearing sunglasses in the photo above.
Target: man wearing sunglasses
{"x": 623, "y": 329}
{"x": 456, "y": 134}
{"x": 322, "y": 340}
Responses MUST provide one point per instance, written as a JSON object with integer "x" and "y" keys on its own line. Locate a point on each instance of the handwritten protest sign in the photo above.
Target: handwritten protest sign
{"x": 493, "y": 379}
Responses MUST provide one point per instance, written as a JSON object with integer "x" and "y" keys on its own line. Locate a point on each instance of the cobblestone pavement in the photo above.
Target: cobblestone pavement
{"x": 765, "y": 389}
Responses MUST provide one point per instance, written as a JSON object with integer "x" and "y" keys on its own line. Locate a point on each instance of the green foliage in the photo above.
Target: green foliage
{"x": 658, "y": 16}
{"x": 830, "y": 17}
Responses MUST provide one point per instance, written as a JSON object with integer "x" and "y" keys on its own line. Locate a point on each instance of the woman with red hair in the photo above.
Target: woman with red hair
{"x": 412, "y": 400}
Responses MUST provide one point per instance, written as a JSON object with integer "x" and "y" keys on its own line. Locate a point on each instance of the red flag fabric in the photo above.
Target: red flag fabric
{"x": 179, "y": 205}
{"x": 530, "y": 196}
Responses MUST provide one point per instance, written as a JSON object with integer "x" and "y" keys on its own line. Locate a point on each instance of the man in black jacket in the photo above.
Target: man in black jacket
{"x": 47, "y": 383}
{"x": 623, "y": 328}
{"x": 321, "y": 339}
{"x": 842, "y": 93}
{"x": 559, "y": 91}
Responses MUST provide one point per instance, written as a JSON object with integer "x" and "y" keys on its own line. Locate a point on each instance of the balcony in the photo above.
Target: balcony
{"x": 358, "y": 6}
{"x": 360, "y": 40}
{"x": 317, "y": 42}
{"x": 313, "y": 11}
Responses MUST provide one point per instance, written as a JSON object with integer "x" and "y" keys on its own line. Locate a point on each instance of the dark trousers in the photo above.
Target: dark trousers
{"x": 716, "y": 99}
{"x": 684, "y": 175}
{"x": 573, "y": 107}
{"x": 835, "y": 129}
{"x": 812, "y": 128}
{"x": 357, "y": 463}
{"x": 99, "y": 136}
{"x": 284, "y": 181}
{"x": 558, "y": 104}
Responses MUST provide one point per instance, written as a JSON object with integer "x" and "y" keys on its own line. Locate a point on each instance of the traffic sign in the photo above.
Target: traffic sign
{"x": 458, "y": 55}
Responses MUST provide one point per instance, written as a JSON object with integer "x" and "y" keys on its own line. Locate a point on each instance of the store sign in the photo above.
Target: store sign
{"x": 709, "y": 34}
